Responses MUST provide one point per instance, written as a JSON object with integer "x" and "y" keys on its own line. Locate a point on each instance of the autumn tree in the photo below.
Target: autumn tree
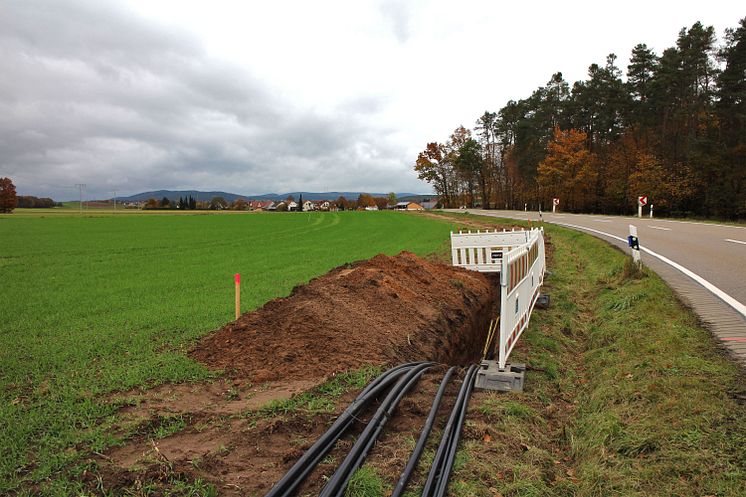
{"x": 381, "y": 202}
{"x": 8, "y": 200}
{"x": 365, "y": 200}
{"x": 433, "y": 166}
{"x": 392, "y": 198}
{"x": 568, "y": 171}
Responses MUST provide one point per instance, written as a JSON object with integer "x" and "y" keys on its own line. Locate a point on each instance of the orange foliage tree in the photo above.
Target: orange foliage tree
{"x": 569, "y": 170}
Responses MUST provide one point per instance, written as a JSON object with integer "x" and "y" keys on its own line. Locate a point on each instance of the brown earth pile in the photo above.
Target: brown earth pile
{"x": 384, "y": 310}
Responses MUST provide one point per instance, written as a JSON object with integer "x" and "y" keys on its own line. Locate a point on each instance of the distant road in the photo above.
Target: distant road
{"x": 705, "y": 263}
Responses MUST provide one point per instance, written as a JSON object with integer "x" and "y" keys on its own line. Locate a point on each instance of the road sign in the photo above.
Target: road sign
{"x": 642, "y": 200}
{"x": 555, "y": 201}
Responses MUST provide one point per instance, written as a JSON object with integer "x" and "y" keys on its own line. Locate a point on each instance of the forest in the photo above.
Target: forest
{"x": 672, "y": 128}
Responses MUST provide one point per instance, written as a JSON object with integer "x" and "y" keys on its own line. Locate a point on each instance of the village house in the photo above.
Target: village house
{"x": 408, "y": 206}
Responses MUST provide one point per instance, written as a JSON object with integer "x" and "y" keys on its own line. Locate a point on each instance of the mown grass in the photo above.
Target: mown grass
{"x": 95, "y": 305}
{"x": 626, "y": 394}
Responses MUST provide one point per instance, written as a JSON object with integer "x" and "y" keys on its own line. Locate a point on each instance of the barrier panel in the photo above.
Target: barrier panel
{"x": 483, "y": 250}
{"x": 519, "y": 257}
{"x": 521, "y": 278}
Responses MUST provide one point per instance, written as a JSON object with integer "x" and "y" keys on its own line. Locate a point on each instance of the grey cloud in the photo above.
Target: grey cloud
{"x": 90, "y": 93}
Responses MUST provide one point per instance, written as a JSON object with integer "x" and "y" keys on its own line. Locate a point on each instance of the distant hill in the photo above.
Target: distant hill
{"x": 230, "y": 197}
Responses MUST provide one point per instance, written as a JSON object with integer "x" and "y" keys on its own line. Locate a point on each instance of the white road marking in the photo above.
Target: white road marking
{"x": 602, "y": 220}
{"x": 659, "y": 228}
{"x": 735, "y": 304}
{"x": 735, "y": 241}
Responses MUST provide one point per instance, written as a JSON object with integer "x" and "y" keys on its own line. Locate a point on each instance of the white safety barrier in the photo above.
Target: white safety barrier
{"x": 519, "y": 257}
{"x": 483, "y": 250}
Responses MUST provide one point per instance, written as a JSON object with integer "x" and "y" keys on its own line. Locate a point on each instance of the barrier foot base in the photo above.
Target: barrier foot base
{"x": 542, "y": 301}
{"x": 508, "y": 379}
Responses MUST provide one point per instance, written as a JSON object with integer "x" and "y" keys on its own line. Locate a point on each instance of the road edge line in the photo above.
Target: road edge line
{"x": 735, "y": 304}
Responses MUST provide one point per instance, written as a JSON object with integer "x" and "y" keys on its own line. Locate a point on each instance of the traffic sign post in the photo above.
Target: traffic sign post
{"x": 555, "y": 203}
{"x": 642, "y": 201}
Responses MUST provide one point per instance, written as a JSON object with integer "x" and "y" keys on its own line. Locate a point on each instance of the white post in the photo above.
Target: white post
{"x": 554, "y": 207}
{"x": 634, "y": 244}
{"x": 639, "y": 209}
{"x": 651, "y": 211}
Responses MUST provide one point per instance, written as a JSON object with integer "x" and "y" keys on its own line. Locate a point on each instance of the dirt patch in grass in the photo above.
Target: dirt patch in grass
{"x": 385, "y": 310}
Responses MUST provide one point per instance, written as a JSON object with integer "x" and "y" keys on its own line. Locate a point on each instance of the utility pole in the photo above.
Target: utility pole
{"x": 80, "y": 187}
{"x": 115, "y": 200}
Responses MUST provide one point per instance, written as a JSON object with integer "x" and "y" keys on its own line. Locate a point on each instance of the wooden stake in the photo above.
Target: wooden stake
{"x": 237, "y": 279}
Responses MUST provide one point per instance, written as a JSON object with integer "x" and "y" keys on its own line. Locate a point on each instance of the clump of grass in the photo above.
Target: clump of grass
{"x": 169, "y": 425}
{"x": 365, "y": 483}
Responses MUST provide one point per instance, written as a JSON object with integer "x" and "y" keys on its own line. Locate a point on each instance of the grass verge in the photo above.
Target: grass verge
{"x": 626, "y": 394}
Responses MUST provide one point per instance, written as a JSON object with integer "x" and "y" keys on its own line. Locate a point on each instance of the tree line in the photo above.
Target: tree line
{"x": 673, "y": 129}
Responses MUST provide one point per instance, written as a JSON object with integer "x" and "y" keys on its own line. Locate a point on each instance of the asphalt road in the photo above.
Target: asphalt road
{"x": 704, "y": 263}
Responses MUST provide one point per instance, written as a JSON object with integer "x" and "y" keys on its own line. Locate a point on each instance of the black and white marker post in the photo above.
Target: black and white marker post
{"x": 634, "y": 244}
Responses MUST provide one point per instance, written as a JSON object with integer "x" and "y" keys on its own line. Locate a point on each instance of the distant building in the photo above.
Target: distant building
{"x": 371, "y": 208}
{"x": 308, "y": 206}
{"x": 408, "y": 206}
{"x": 292, "y": 205}
{"x": 429, "y": 203}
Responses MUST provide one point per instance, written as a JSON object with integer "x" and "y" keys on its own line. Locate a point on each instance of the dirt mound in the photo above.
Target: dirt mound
{"x": 381, "y": 311}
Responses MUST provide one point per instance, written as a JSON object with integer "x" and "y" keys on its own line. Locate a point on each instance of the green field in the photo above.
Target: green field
{"x": 94, "y": 305}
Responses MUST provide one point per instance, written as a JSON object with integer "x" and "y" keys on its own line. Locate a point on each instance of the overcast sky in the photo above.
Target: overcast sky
{"x": 273, "y": 96}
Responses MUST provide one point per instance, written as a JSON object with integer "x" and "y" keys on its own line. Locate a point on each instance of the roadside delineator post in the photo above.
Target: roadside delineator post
{"x": 634, "y": 244}
{"x": 237, "y": 280}
{"x": 651, "y": 211}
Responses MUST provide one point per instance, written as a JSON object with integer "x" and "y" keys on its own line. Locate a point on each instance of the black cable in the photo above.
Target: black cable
{"x": 445, "y": 472}
{"x": 338, "y": 481}
{"x": 420, "y": 446}
{"x": 310, "y": 459}
{"x": 436, "y": 470}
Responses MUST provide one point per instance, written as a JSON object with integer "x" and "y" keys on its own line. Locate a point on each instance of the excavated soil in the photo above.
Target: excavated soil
{"x": 384, "y": 310}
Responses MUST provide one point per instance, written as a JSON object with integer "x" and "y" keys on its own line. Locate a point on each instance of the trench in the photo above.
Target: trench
{"x": 468, "y": 337}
